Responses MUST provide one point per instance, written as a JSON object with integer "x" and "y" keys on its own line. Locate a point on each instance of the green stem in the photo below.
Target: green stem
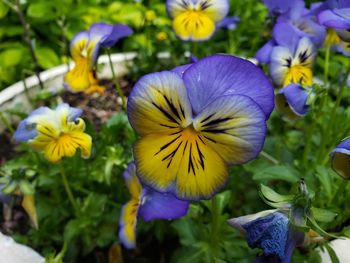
{"x": 214, "y": 226}
{"x": 326, "y": 64}
{"x": 115, "y": 80}
{"x": 269, "y": 158}
{"x": 328, "y": 130}
{"x": 67, "y": 188}
{"x": 6, "y": 122}
{"x": 194, "y": 51}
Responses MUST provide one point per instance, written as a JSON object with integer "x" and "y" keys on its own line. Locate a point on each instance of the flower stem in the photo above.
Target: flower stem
{"x": 326, "y": 64}
{"x": 67, "y": 188}
{"x": 27, "y": 38}
{"x": 6, "y": 122}
{"x": 269, "y": 158}
{"x": 214, "y": 226}
{"x": 115, "y": 80}
{"x": 329, "y": 129}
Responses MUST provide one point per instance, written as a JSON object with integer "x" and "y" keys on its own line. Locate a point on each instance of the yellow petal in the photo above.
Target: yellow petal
{"x": 128, "y": 221}
{"x": 66, "y": 145}
{"x": 28, "y": 204}
{"x": 78, "y": 79}
{"x": 193, "y": 25}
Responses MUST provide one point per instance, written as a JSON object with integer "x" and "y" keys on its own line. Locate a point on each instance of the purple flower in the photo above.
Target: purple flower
{"x": 341, "y": 159}
{"x": 336, "y": 14}
{"x": 291, "y": 101}
{"x": 229, "y": 23}
{"x": 292, "y": 58}
{"x": 148, "y": 204}
{"x": 197, "y": 121}
{"x": 270, "y": 231}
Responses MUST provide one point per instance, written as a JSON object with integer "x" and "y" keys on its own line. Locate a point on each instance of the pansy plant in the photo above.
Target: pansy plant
{"x": 196, "y": 122}
{"x": 84, "y": 48}
{"x": 57, "y": 133}
{"x": 196, "y": 20}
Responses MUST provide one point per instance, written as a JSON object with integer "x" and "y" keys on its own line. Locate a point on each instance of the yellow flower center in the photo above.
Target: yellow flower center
{"x": 298, "y": 74}
{"x": 194, "y": 24}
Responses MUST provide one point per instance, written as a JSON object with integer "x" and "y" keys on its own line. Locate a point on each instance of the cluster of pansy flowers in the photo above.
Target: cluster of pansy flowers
{"x": 198, "y": 119}
{"x": 297, "y": 34}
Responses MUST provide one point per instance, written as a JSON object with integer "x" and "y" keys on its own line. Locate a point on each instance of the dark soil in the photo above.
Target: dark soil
{"x": 98, "y": 108}
{"x": 7, "y": 150}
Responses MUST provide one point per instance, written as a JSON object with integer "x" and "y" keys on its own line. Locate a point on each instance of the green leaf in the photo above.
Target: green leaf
{"x": 3, "y": 9}
{"x": 319, "y": 230}
{"x": 331, "y": 253}
{"x": 11, "y": 57}
{"x": 278, "y": 172}
{"x": 273, "y": 196}
{"x": 323, "y": 215}
{"x": 43, "y": 10}
{"x": 325, "y": 179}
{"x": 47, "y": 58}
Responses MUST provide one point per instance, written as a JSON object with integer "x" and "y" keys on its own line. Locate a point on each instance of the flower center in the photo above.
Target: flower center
{"x": 298, "y": 74}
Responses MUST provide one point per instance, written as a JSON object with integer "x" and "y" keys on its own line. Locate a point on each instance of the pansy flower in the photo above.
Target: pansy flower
{"x": 336, "y": 14}
{"x": 196, "y": 20}
{"x": 147, "y": 204}
{"x": 341, "y": 159}
{"x": 292, "y": 101}
{"x": 58, "y": 133}
{"x": 84, "y": 48}
{"x": 271, "y": 231}
{"x": 197, "y": 121}
{"x": 291, "y": 60}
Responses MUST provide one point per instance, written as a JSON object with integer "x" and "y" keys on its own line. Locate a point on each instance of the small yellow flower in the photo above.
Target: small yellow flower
{"x": 162, "y": 36}
{"x": 57, "y": 133}
{"x": 150, "y": 15}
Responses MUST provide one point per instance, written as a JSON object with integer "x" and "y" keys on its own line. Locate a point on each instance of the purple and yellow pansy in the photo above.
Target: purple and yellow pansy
{"x": 292, "y": 58}
{"x": 196, "y": 123}
{"x": 57, "y": 133}
{"x": 196, "y": 20}
{"x": 84, "y": 49}
{"x": 146, "y": 203}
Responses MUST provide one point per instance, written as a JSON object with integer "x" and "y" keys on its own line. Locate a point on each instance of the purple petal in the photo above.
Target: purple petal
{"x": 264, "y": 53}
{"x": 119, "y": 31}
{"x": 229, "y": 22}
{"x": 286, "y": 36}
{"x": 27, "y": 130}
{"x": 296, "y": 97}
{"x": 335, "y": 19}
{"x": 220, "y": 75}
{"x": 180, "y": 70}
{"x": 269, "y": 233}
{"x": 157, "y": 205}
{"x": 277, "y": 7}
{"x": 341, "y": 159}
